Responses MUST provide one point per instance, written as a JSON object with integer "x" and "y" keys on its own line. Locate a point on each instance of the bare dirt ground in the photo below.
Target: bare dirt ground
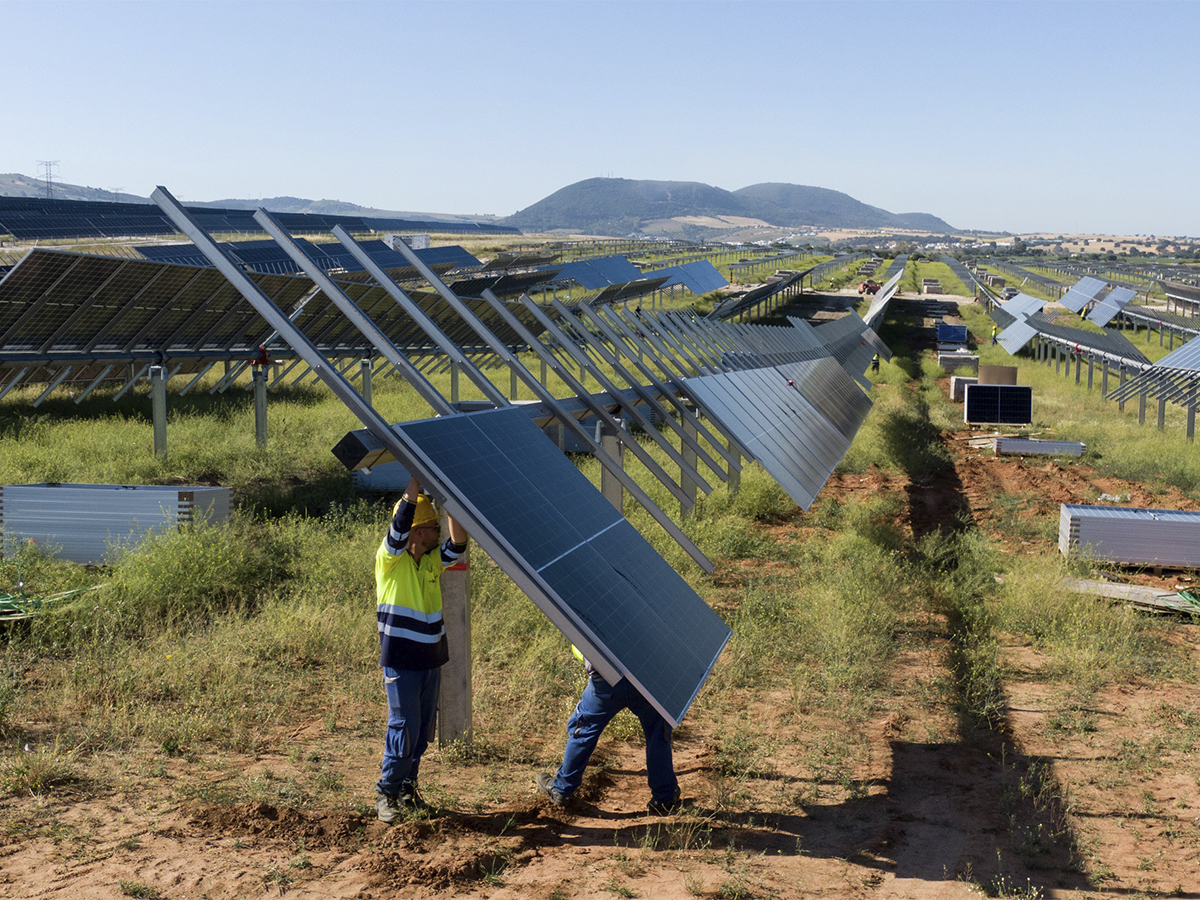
{"x": 1107, "y": 805}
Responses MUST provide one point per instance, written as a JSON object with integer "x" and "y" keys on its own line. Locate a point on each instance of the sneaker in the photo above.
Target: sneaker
{"x": 545, "y": 784}
{"x": 387, "y": 807}
{"x": 665, "y": 808}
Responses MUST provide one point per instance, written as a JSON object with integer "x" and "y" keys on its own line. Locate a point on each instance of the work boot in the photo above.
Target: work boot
{"x": 666, "y": 807}
{"x": 545, "y": 784}
{"x": 387, "y": 807}
{"x": 409, "y": 799}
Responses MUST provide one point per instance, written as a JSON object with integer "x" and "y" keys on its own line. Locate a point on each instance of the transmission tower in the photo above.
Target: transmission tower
{"x": 48, "y": 166}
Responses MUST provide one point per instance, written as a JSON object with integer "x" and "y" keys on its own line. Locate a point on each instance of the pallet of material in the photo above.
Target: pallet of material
{"x": 93, "y": 523}
{"x": 1031, "y": 447}
{"x": 1131, "y": 536}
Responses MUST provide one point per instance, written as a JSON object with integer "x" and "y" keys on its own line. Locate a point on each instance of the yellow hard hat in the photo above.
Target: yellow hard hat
{"x": 425, "y": 514}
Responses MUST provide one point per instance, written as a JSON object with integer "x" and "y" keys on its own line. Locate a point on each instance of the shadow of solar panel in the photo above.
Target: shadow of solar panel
{"x": 1000, "y": 404}
{"x": 592, "y": 573}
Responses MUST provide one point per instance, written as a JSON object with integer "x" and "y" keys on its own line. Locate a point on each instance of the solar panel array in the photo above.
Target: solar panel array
{"x": 602, "y": 272}
{"x": 87, "y": 315}
{"x": 33, "y": 218}
{"x": 268, "y": 257}
{"x": 564, "y": 544}
{"x": 699, "y": 277}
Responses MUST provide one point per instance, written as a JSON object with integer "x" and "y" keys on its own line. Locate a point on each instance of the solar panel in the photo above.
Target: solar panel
{"x": 1083, "y": 293}
{"x": 1110, "y": 307}
{"x": 951, "y": 334}
{"x": 601, "y": 272}
{"x": 999, "y": 404}
{"x": 1016, "y": 336}
{"x": 1022, "y": 306}
{"x": 796, "y": 420}
{"x": 699, "y": 277}
{"x": 607, "y": 589}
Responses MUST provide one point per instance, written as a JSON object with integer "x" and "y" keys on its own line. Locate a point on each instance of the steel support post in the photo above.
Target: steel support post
{"x": 365, "y": 365}
{"x": 1121, "y": 384}
{"x": 1191, "y": 415}
{"x": 687, "y": 479}
{"x": 1162, "y": 411}
{"x": 610, "y": 441}
{"x": 454, "y": 704}
{"x": 1142, "y": 406}
{"x": 1091, "y": 368}
{"x": 1104, "y": 378}
{"x": 158, "y": 407}
{"x": 259, "y": 378}
{"x": 453, "y": 381}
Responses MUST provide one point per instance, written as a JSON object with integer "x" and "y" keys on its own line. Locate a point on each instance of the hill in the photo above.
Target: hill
{"x": 621, "y": 206}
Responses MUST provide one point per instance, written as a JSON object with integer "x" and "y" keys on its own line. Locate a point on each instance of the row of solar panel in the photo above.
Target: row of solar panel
{"x": 31, "y": 218}
{"x": 267, "y": 256}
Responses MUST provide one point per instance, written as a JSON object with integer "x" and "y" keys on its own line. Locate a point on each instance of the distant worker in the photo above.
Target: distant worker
{"x": 412, "y": 641}
{"x": 596, "y": 708}
{"x": 993, "y": 334}
{"x": 875, "y": 363}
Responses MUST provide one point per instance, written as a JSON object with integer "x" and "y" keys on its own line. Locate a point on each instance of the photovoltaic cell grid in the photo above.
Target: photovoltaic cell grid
{"x": 29, "y": 218}
{"x": 593, "y": 274}
{"x": 951, "y": 334}
{"x": 998, "y": 404}
{"x": 606, "y": 588}
{"x": 268, "y": 257}
{"x": 1082, "y": 293}
{"x": 699, "y": 277}
{"x": 796, "y": 419}
{"x": 1110, "y": 306}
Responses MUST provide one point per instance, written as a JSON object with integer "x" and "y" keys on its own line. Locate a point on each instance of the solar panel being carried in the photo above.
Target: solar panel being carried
{"x": 1110, "y": 306}
{"x": 1083, "y": 293}
{"x": 610, "y": 590}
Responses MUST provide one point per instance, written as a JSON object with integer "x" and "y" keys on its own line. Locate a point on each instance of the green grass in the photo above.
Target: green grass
{"x": 212, "y": 642}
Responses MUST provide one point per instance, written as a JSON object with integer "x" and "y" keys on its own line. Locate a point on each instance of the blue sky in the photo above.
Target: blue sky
{"x": 1028, "y": 116}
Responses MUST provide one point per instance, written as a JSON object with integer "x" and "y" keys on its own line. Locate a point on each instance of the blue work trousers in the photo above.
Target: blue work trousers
{"x": 596, "y": 708}
{"x": 412, "y": 696}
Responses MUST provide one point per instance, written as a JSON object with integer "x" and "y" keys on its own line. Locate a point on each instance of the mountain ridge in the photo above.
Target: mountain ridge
{"x": 621, "y": 206}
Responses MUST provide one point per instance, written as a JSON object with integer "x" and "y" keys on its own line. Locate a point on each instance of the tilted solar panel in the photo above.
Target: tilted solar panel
{"x": 1110, "y": 307}
{"x": 600, "y": 582}
{"x": 796, "y": 419}
{"x": 1083, "y": 293}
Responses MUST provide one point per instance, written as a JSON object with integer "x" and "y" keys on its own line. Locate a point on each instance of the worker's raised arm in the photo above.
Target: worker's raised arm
{"x": 458, "y": 534}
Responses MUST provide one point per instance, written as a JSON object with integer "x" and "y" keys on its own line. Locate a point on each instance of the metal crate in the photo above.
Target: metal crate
{"x": 1131, "y": 535}
{"x": 93, "y": 523}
